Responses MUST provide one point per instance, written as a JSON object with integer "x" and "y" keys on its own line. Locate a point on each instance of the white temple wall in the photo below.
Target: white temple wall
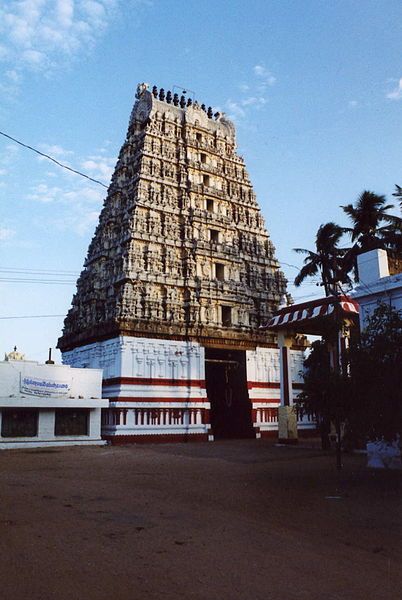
{"x": 263, "y": 378}
{"x": 141, "y": 358}
{"x": 156, "y": 387}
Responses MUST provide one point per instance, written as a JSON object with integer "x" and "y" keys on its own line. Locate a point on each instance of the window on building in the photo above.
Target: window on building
{"x": 210, "y": 205}
{"x": 206, "y": 180}
{"x": 203, "y": 158}
{"x": 214, "y": 236}
{"x": 219, "y": 271}
{"x": 71, "y": 421}
{"x": 21, "y": 422}
{"x": 198, "y": 137}
{"x": 226, "y": 316}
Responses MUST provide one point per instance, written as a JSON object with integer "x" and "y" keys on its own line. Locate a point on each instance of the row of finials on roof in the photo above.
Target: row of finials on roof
{"x": 182, "y": 101}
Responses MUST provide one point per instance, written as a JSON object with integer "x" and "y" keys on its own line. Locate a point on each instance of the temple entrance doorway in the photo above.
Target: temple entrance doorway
{"x": 226, "y": 381}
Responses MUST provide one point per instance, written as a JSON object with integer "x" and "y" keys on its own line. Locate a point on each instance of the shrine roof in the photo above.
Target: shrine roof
{"x": 312, "y": 317}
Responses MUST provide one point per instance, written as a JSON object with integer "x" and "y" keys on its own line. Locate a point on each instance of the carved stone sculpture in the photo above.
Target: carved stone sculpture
{"x": 178, "y": 188}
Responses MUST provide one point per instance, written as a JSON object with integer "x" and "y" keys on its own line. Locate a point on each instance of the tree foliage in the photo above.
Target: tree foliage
{"x": 372, "y": 227}
{"x": 398, "y": 194}
{"x": 323, "y": 393}
{"x": 368, "y": 397}
{"x": 326, "y": 260}
{"x": 375, "y": 383}
{"x": 371, "y": 221}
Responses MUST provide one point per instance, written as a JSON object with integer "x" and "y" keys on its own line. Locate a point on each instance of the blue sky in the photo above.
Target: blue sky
{"x": 315, "y": 89}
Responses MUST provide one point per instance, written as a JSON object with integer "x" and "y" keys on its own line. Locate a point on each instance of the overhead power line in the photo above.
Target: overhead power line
{"x": 46, "y": 281}
{"x": 11, "y": 270}
{"x": 59, "y": 164}
{"x": 32, "y": 317}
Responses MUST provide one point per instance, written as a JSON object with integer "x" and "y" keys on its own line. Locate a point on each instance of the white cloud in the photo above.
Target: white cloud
{"x": 235, "y": 110}
{"x": 264, "y": 75}
{"x": 254, "y": 101}
{"x": 44, "y": 34}
{"x": 396, "y": 94}
{"x": 13, "y": 76}
{"x": 353, "y": 104}
{"x": 43, "y": 193}
{"x": 8, "y": 156}
{"x": 6, "y": 233}
{"x": 253, "y": 94}
{"x": 77, "y": 202}
{"x": 99, "y": 167}
{"x": 55, "y": 150}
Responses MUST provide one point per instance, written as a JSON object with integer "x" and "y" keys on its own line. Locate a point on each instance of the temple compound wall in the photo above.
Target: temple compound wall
{"x": 180, "y": 275}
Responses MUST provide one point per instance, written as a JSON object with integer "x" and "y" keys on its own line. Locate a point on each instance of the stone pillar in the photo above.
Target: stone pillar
{"x": 287, "y": 417}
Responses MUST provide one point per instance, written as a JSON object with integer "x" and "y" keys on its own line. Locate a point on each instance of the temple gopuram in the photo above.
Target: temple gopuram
{"x": 179, "y": 277}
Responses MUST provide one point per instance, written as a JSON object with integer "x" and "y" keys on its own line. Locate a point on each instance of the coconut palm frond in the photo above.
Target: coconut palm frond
{"x": 370, "y": 218}
{"x": 302, "y": 251}
{"x": 308, "y": 270}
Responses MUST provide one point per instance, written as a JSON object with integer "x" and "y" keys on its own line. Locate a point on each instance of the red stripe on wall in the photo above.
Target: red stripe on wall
{"x": 200, "y": 383}
{"x": 273, "y": 385}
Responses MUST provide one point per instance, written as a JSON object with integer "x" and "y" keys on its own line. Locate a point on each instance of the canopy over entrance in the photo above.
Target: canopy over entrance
{"x": 332, "y": 317}
{"x": 314, "y": 317}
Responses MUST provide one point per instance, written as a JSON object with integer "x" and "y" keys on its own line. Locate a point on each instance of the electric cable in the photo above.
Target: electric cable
{"x": 53, "y": 159}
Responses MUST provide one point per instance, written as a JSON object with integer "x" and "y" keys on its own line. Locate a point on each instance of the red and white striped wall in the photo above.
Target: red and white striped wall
{"x": 157, "y": 392}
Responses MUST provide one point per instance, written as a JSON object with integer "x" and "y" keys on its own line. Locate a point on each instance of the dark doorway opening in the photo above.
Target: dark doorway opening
{"x": 226, "y": 379}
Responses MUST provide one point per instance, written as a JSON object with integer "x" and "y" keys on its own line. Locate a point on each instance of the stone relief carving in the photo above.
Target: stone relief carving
{"x": 156, "y": 226}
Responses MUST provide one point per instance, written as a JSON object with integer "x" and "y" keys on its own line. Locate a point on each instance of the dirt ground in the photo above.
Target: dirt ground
{"x": 225, "y": 520}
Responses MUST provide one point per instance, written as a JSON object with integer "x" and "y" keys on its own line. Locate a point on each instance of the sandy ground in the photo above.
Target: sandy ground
{"x": 224, "y": 520}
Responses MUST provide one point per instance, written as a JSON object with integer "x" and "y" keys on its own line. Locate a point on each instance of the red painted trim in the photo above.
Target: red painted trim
{"x": 184, "y": 401}
{"x": 163, "y": 438}
{"x": 200, "y": 383}
{"x": 272, "y": 385}
{"x": 263, "y": 384}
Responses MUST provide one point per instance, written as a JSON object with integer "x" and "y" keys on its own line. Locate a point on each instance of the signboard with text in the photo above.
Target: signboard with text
{"x": 43, "y": 386}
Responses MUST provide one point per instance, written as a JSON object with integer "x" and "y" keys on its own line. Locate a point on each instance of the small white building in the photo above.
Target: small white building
{"x": 48, "y": 404}
{"x": 376, "y": 285}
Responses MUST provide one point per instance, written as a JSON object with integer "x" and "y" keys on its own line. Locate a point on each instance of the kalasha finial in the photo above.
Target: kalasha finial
{"x": 210, "y": 112}
{"x": 155, "y": 91}
{"x": 169, "y": 97}
{"x": 176, "y": 99}
{"x": 189, "y": 102}
{"x": 182, "y": 101}
{"x": 161, "y": 94}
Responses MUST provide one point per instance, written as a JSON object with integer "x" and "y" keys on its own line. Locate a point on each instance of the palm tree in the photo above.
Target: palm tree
{"x": 398, "y": 194}
{"x": 326, "y": 260}
{"x": 372, "y": 227}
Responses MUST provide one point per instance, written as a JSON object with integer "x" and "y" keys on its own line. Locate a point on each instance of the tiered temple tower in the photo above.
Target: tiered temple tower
{"x": 179, "y": 276}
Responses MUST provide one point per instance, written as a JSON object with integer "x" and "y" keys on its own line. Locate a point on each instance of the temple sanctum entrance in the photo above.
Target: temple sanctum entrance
{"x": 226, "y": 381}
